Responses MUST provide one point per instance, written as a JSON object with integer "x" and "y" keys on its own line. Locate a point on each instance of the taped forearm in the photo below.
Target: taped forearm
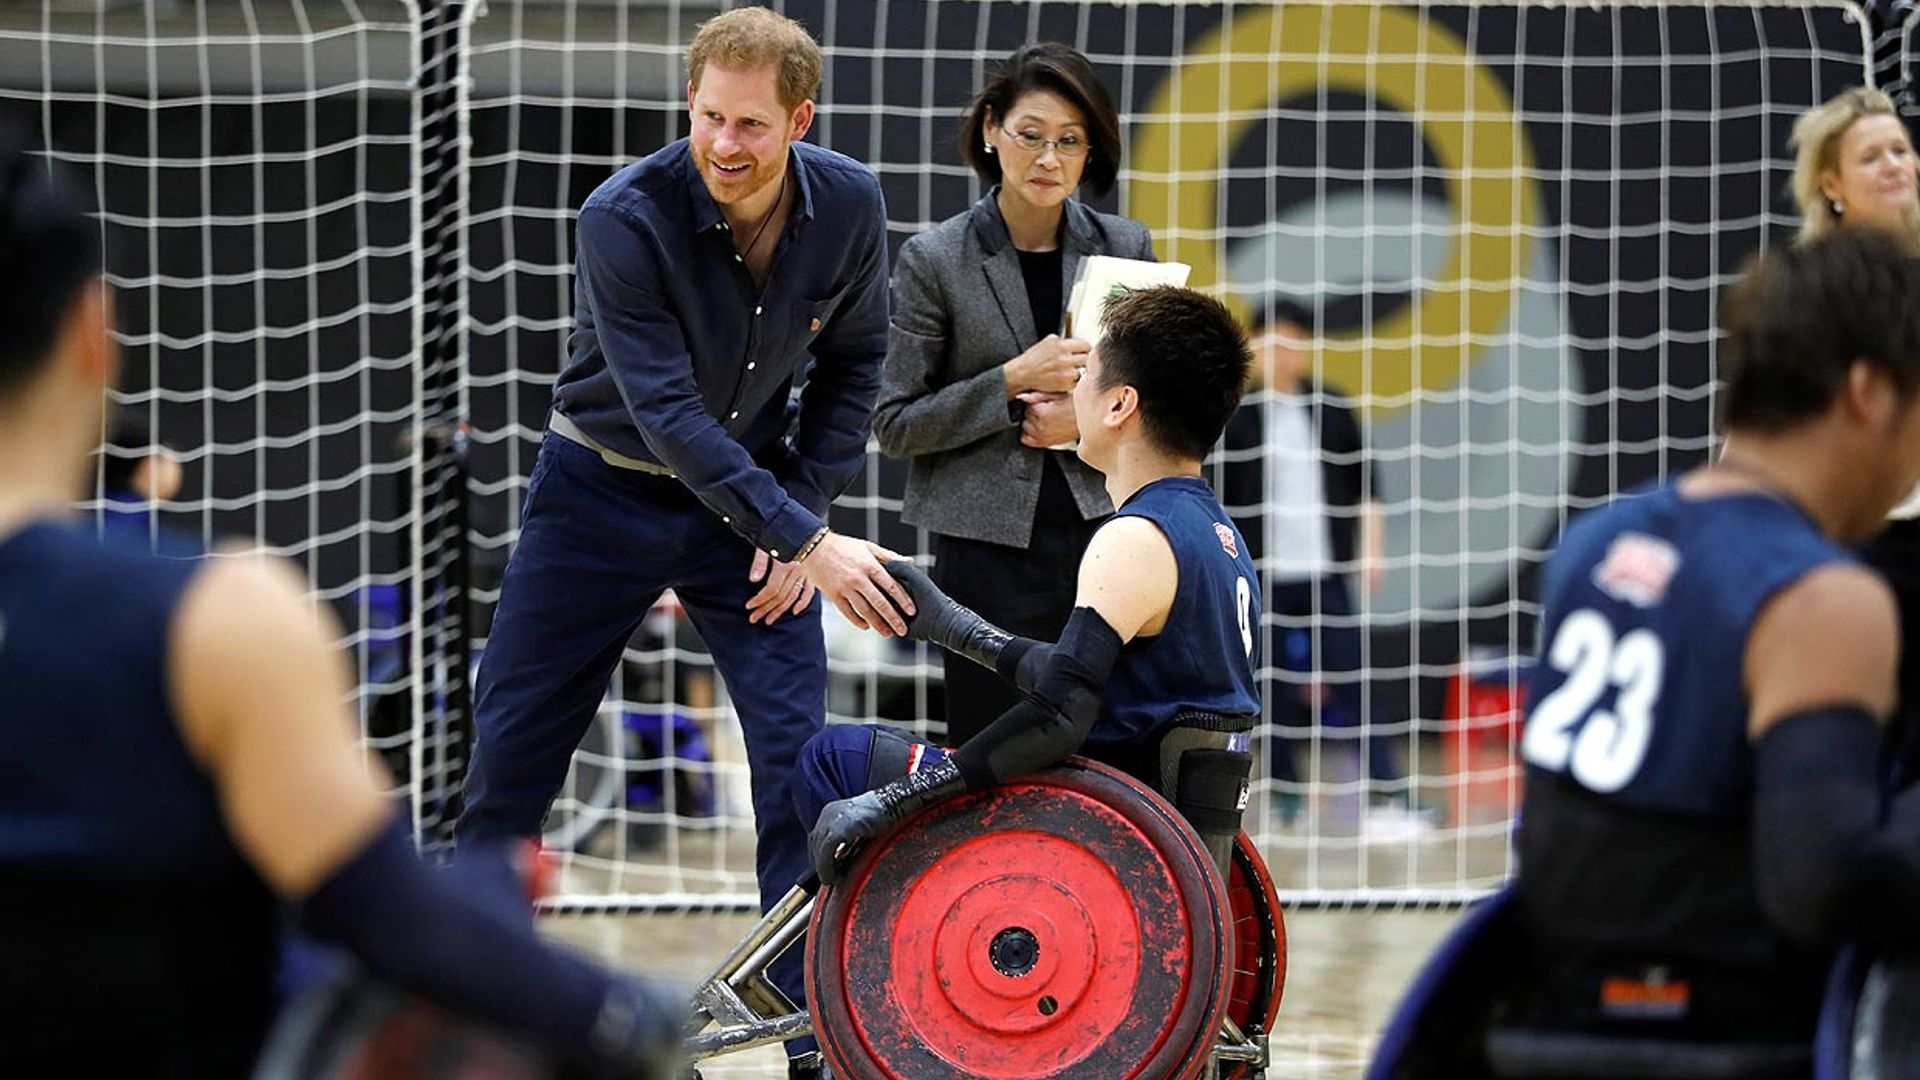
{"x": 902, "y": 798}
{"x": 1827, "y": 869}
{"x": 481, "y": 961}
{"x": 1023, "y": 661}
{"x": 1054, "y": 719}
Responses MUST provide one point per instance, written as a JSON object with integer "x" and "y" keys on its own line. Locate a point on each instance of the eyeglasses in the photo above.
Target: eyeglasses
{"x": 1068, "y": 146}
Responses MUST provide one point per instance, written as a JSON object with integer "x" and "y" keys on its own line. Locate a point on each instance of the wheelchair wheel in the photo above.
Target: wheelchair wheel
{"x": 1259, "y": 948}
{"x": 353, "y": 1027}
{"x": 1886, "y": 1032}
{"x": 1067, "y": 925}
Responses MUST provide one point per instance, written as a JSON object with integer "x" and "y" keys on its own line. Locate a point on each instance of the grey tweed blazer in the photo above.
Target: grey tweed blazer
{"x": 960, "y": 311}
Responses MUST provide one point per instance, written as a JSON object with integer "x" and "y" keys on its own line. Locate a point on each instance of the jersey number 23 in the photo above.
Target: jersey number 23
{"x": 1602, "y": 749}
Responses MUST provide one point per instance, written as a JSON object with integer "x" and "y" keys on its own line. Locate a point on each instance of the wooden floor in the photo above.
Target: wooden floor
{"x": 1345, "y": 971}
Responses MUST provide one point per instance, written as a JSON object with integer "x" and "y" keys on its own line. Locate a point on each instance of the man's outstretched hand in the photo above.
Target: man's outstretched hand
{"x": 849, "y": 573}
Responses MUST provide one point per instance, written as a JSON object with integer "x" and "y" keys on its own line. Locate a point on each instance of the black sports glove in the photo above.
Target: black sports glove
{"x": 844, "y": 823}
{"x": 941, "y": 621}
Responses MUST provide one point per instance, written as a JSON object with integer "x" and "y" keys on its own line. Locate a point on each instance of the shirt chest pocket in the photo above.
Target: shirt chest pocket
{"x": 811, "y": 318}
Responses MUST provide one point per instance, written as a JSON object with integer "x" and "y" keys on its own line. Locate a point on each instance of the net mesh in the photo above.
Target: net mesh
{"x": 1502, "y": 227}
{"x": 252, "y": 166}
{"x": 1506, "y": 225}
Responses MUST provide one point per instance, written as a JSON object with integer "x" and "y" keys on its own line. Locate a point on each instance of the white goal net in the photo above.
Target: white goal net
{"x": 1503, "y": 226}
{"x": 1507, "y": 223}
{"x": 253, "y": 170}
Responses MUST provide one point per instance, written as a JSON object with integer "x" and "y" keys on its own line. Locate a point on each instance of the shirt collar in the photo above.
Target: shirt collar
{"x": 706, "y": 212}
{"x": 802, "y": 178}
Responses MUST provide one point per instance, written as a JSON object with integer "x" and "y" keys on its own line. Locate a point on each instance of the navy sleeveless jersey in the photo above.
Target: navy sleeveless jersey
{"x": 138, "y": 941}
{"x": 1635, "y": 839}
{"x": 1202, "y": 660}
{"x": 1646, "y": 608}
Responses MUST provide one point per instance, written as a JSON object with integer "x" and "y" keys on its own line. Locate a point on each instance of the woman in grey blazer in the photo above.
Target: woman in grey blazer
{"x": 975, "y": 386}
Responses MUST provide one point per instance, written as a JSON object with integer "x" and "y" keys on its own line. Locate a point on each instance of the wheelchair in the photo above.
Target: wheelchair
{"x": 1452, "y": 1024}
{"x": 1869, "y": 1020}
{"x": 1069, "y": 924}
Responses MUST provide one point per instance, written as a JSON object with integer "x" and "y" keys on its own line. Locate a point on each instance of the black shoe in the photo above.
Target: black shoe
{"x": 809, "y": 1066}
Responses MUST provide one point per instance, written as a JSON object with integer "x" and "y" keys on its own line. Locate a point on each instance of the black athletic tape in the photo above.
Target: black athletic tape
{"x": 906, "y": 796}
{"x": 1826, "y": 868}
{"x": 1054, "y": 719}
{"x": 845, "y": 823}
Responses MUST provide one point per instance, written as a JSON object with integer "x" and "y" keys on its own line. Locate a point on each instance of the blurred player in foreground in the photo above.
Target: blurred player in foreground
{"x": 176, "y": 760}
{"x": 1155, "y": 667}
{"x": 1704, "y": 819}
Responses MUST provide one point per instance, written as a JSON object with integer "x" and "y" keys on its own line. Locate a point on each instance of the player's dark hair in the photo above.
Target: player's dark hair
{"x": 1186, "y": 355}
{"x": 1059, "y": 69}
{"x": 49, "y": 251}
{"x": 1804, "y": 313}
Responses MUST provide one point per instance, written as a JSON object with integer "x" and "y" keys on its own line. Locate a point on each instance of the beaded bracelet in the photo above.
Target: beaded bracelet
{"x": 807, "y": 548}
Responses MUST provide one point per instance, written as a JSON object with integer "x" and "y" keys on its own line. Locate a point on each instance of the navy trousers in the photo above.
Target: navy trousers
{"x": 598, "y": 545}
{"x": 838, "y": 764}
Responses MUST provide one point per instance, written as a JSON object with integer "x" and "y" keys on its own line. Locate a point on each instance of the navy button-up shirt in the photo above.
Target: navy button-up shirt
{"x": 677, "y": 358}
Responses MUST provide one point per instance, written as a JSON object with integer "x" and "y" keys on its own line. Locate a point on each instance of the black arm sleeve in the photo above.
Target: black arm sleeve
{"x": 1827, "y": 866}
{"x": 479, "y": 957}
{"x": 1054, "y": 719}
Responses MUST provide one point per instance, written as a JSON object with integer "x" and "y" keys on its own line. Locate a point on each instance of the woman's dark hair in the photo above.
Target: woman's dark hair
{"x": 1059, "y": 69}
{"x": 1804, "y": 314}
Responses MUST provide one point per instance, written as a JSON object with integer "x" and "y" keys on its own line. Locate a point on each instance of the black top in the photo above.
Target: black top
{"x": 1042, "y": 272}
{"x": 1045, "y": 295}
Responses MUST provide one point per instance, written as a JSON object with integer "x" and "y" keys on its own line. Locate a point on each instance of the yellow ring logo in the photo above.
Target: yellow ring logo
{"x": 1234, "y": 73}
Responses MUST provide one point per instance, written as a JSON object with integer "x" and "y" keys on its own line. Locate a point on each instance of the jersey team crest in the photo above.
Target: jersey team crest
{"x": 1227, "y": 541}
{"x": 1637, "y": 569}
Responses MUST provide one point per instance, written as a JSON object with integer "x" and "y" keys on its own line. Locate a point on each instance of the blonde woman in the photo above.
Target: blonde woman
{"x": 1855, "y": 165}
